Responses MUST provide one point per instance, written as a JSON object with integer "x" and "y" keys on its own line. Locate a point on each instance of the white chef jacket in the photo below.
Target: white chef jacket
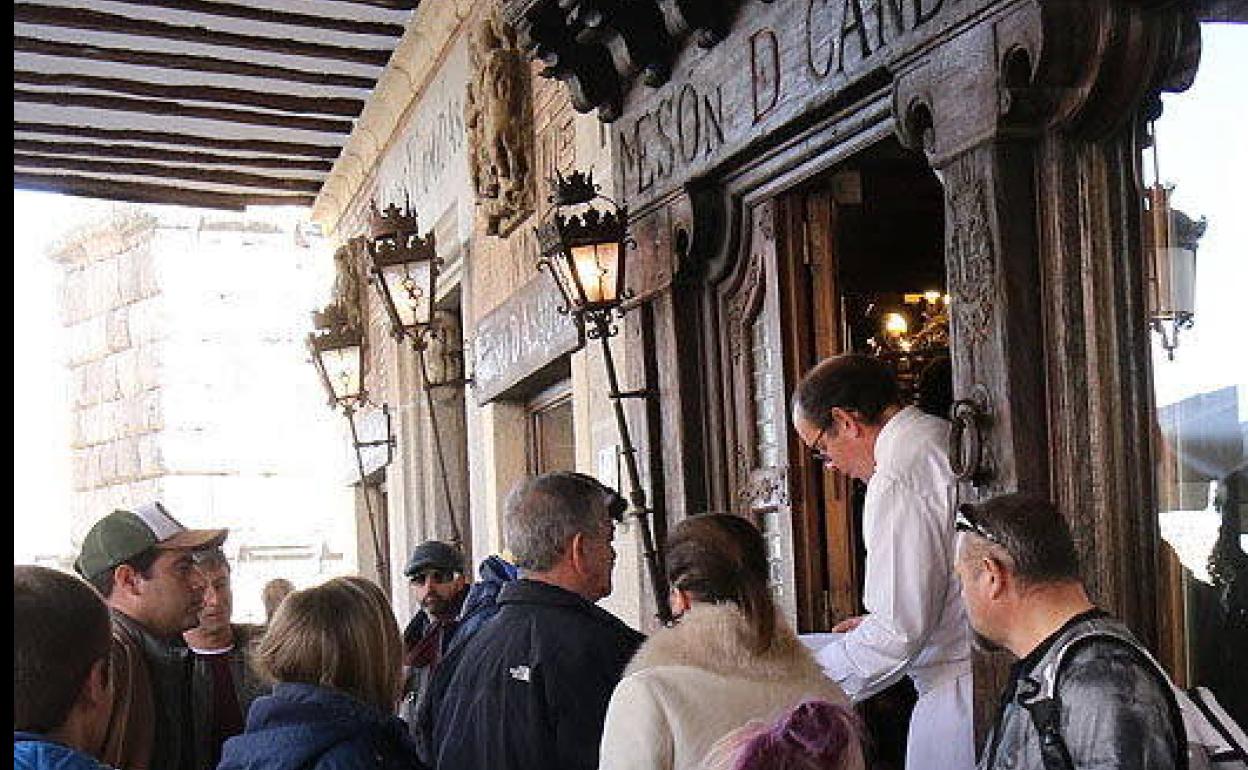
{"x": 915, "y": 623}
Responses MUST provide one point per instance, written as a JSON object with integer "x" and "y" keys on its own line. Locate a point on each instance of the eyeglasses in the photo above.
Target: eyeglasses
{"x": 965, "y": 521}
{"x": 436, "y": 575}
{"x": 816, "y": 446}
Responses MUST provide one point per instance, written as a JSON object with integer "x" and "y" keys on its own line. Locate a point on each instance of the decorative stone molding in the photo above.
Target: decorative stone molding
{"x": 499, "y": 117}
{"x": 598, "y": 48}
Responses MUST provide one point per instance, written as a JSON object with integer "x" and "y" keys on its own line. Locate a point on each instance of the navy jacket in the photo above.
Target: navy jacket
{"x": 533, "y": 689}
{"x": 305, "y": 727}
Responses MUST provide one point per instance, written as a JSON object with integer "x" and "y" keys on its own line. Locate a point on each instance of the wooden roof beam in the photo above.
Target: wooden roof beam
{"x": 179, "y": 109}
{"x": 137, "y": 192}
{"x": 98, "y": 21}
{"x": 307, "y": 105}
{"x": 393, "y": 5}
{"x": 24, "y": 161}
{"x": 187, "y": 62}
{"x": 181, "y": 140}
{"x": 172, "y": 155}
{"x": 273, "y": 16}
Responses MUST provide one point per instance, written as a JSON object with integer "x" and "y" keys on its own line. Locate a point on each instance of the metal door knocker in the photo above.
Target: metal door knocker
{"x": 966, "y": 440}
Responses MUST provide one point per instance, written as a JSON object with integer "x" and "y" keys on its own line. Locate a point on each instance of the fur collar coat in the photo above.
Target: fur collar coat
{"x": 691, "y": 684}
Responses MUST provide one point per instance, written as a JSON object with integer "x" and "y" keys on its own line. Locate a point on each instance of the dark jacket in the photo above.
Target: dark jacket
{"x": 248, "y": 685}
{"x": 533, "y": 689}
{"x": 151, "y": 677}
{"x": 305, "y": 727}
{"x": 1114, "y": 713}
{"x": 480, "y": 605}
{"x": 36, "y": 752}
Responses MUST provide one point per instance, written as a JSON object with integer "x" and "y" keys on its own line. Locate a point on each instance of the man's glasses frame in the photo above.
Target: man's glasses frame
{"x": 816, "y": 446}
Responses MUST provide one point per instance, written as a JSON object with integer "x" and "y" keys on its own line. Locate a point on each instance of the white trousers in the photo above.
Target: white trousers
{"x": 942, "y": 735}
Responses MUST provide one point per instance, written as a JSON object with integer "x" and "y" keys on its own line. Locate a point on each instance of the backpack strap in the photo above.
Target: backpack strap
{"x": 1043, "y": 704}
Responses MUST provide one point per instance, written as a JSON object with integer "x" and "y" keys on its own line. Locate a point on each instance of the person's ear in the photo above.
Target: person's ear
{"x": 126, "y": 579}
{"x": 679, "y": 601}
{"x": 97, "y": 688}
{"x": 997, "y": 578}
{"x": 844, "y": 422}
{"x": 578, "y": 550}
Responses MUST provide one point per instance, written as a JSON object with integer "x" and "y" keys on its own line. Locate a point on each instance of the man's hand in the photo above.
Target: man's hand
{"x": 847, "y": 625}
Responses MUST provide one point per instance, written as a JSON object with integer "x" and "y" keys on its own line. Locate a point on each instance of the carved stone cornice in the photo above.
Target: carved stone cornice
{"x": 1084, "y": 67}
{"x": 599, "y": 48}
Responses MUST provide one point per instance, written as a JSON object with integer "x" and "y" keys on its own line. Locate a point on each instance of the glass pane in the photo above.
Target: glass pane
{"x": 409, "y": 288}
{"x": 1200, "y": 372}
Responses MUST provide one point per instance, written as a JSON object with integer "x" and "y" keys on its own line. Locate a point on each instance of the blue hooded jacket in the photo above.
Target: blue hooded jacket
{"x": 35, "y": 752}
{"x": 481, "y": 603}
{"x": 305, "y": 727}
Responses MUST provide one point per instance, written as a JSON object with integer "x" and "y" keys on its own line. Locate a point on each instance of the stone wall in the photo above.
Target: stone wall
{"x": 190, "y": 384}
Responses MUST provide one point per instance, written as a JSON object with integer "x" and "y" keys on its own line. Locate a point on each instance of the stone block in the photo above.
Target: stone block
{"x": 117, "y": 329}
{"x": 126, "y": 364}
{"x": 128, "y": 462}
{"x": 108, "y": 463}
{"x": 151, "y": 460}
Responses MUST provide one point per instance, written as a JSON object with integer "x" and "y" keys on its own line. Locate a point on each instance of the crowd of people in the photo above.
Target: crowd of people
{"x": 137, "y": 665}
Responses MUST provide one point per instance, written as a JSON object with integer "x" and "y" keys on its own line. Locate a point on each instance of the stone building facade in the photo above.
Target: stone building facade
{"x": 190, "y": 385}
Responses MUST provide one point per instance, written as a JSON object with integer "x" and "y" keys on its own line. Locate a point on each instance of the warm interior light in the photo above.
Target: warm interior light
{"x": 895, "y": 324}
{"x": 596, "y": 268}
{"x": 931, "y": 296}
{"x": 947, "y": 299}
{"x": 409, "y": 289}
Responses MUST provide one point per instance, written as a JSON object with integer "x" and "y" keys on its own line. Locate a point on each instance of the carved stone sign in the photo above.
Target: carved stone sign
{"x": 428, "y": 166}
{"x": 519, "y": 337}
{"x": 780, "y": 63}
{"x": 499, "y": 118}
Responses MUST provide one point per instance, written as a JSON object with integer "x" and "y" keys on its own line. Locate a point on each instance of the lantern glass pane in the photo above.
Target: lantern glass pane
{"x": 409, "y": 287}
{"x": 597, "y": 265}
{"x": 342, "y": 367}
{"x": 1176, "y": 282}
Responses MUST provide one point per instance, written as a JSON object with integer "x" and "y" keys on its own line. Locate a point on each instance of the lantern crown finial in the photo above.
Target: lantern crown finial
{"x": 391, "y": 221}
{"x": 394, "y": 236}
{"x": 576, "y": 187}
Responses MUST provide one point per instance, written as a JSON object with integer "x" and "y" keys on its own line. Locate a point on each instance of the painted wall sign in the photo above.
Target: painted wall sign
{"x": 781, "y": 62}
{"x": 520, "y": 337}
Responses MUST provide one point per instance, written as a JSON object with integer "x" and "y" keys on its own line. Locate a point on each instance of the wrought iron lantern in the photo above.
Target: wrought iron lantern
{"x": 338, "y": 354}
{"x": 1173, "y": 237}
{"x": 337, "y": 350}
{"x": 404, "y": 268}
{"x": 582, "y": 240}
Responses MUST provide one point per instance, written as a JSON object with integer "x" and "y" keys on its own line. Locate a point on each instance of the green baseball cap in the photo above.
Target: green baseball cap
{"x": 122, "y": 535}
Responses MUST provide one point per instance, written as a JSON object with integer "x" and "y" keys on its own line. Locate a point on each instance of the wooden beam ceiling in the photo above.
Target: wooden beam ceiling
{"x": 218, "y": 104}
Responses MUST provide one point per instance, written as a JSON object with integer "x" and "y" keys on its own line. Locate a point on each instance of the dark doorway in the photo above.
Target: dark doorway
{"x": 867, "y": 275}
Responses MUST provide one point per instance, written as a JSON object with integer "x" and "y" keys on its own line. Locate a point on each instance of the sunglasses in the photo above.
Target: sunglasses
{"x": 965, "y": 521}
{"x": 436, "y": 575}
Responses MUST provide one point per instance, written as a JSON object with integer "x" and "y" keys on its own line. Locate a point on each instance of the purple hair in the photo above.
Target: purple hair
{"x": 815, "y": 735}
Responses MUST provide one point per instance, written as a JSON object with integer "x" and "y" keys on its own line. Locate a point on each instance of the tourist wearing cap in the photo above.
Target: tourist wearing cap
{"x": 436, "y": 571}
{"x": 142, "y": 562}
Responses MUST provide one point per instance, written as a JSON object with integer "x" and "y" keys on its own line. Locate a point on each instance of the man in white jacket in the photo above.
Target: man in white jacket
{"x": 848, "y": 410}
